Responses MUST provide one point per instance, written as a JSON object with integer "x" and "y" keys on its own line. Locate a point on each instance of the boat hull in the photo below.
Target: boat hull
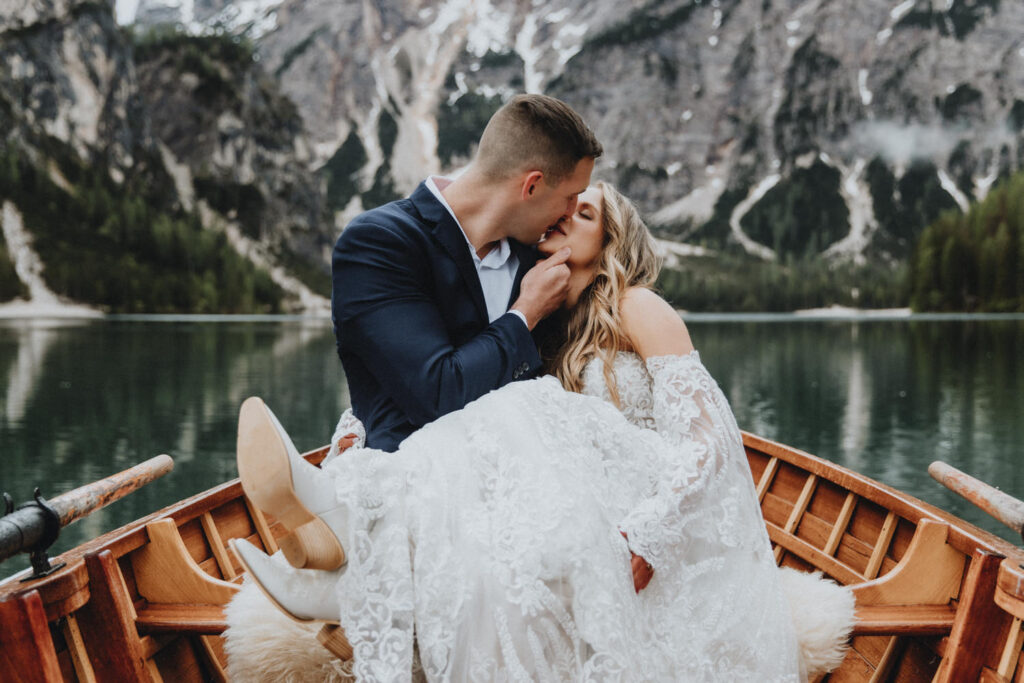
{"x": 938, "y": 599}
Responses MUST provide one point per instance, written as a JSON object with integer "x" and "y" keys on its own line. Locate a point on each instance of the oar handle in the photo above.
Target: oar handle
{"x": 80, "y": 502}
{"x": 994, "y": 502}
{"x": 34, "y": 526}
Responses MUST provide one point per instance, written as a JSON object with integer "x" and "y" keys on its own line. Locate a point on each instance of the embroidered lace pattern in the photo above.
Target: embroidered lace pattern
{"x": 494, "y": 534}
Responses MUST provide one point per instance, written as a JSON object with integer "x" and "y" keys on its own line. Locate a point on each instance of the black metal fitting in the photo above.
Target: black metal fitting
{"x": 32, "y": 528}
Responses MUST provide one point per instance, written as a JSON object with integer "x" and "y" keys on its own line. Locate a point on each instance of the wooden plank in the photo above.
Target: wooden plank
{"x": 179, "y": 662}
{"x": 262, "y": 527}
{"x": 766, "y": 478}
{"x": 906, "y": 620}
{"x": 841, "y": 522}
{"x": 854, "y": 668}
{"x": 981, "y": 628}
{"x": 194, "y": 539}
{"x": 108, "y": 623}
{"x": 901, "y": 539}
{"x": 890, "y": 657}
{"x": 227, "y": 570}
{"x": 801, "y": 503}
{"x": 154, "y": 671}
{"x": 798, "y": 510}
{"x": 154, "y": 643}
{"x": 918, "y": 662}
{"x": 756, "y": 462}
{"x": 788, "y": 482}
{"x": 76, "y": 648}
{"x": 775, "y": 509}
{"x": 990, "y": 676}
{"x": 211, "y": 568}
{"x": 834, "y": 568}
{"x": 854, "y": 553}
{"x": 828, "y": 500}
{"x": 881, "y": 546}
{"x": 1011, "y": 652}
{"x": 190, "y": 618}
{"x": 213, "y": 649}
{"x": 27, "y": 654}
{"x": 813, "y": 529}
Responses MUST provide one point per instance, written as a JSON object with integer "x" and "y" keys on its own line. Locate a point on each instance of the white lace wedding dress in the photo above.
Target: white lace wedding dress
{"x": 493, "y": 538}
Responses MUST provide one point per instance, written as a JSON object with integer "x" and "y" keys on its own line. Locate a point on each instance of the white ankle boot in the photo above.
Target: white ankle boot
{"x": 281, "y": 483}
{"x": 302, "y": 594}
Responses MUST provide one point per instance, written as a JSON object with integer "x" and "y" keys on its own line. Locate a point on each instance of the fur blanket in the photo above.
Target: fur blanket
{"x": 265, "y": 645}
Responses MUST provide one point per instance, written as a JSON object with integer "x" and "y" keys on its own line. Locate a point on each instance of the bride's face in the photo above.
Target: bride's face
{"x": 583, "y": 232}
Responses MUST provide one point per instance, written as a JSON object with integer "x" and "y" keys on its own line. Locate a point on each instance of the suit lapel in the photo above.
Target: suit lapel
{"x": 527, "y": 258}
{"x": 450, "y": 236}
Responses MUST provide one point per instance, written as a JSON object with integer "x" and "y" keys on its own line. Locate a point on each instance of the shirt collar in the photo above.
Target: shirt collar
{"x": 496, "y": 257}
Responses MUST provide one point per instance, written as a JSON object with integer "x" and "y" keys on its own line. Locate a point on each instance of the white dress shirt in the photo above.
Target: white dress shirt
{"x": 496, "y": 270}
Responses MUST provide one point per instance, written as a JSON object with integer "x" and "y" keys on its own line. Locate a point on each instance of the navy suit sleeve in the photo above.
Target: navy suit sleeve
{"x": 384, "y": 308}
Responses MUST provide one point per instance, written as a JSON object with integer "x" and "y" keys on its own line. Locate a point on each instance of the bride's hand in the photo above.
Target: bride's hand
{"x": 642, "y": 571}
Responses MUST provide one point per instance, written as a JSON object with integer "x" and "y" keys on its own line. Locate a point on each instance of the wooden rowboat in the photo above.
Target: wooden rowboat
{"x": 938, "y": 598}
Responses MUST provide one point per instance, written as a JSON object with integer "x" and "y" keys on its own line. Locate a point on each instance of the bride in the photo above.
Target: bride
{"x": 599, "y": 523}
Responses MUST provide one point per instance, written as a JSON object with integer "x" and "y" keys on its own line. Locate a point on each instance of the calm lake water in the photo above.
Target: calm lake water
{"x": 82, "y": 400}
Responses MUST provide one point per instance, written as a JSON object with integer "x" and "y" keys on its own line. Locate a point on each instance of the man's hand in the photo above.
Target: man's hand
{"x": 642, "y": 571}
{"x": 544, "y": 287}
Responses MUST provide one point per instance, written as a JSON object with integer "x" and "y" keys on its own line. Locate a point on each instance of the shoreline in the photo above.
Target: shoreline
{"x": 19, "y": 310}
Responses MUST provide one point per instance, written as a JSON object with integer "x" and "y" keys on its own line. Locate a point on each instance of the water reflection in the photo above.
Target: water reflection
{"x": 86, "y": 399}
{"x": 883, "y": 397}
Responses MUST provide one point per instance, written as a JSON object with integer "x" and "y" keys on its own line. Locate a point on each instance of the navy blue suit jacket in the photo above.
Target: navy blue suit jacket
{"x": 411, "y": 322}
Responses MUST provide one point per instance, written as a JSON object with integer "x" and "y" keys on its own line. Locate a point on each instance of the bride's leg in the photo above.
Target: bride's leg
{"x": 299, "y": 495}
{"x": 302, "y": 594}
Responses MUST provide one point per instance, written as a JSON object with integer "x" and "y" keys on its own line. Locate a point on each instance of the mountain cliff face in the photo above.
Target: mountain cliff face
{"x": 783, "y": 130}
{"x": 786, "y": 128}
{"x": 93, "y": 118}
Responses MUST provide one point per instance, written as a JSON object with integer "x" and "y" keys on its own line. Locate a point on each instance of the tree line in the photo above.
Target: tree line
{"x": 973, "y": 261}
{"x": 121, "y": 248}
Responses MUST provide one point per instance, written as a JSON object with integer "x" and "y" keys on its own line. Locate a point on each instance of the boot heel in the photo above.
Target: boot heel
{"x": 312, "y": 546}
{"x": 265, "y": 468}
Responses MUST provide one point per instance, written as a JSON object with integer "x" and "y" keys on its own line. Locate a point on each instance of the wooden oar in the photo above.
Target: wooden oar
{"x": 994, "y": 502}
{"x": 33, "y": 526}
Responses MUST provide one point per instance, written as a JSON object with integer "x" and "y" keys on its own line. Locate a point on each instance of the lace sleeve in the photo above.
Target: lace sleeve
{"x": 696, "y": 494}
{"x": 349, "y": 433}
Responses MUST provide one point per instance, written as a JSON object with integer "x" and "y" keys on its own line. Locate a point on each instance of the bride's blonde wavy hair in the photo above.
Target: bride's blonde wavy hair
{"x": 593, "y": 328}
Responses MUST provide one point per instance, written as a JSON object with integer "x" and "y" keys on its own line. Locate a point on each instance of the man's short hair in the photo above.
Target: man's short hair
{"x": 535, "y": 132}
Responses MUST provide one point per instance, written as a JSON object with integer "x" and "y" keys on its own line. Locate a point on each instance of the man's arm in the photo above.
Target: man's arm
{"x": 383, "y": 309}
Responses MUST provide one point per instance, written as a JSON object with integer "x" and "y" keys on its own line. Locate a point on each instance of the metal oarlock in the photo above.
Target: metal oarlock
{"x": 32, "y": 527}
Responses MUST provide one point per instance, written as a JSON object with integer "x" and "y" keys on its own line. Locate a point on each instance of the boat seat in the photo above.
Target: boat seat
{"x": 182, "y": 618}
{"x": 904, "y": 620}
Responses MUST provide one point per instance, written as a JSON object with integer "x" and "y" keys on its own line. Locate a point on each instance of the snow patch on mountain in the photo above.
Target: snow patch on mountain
{"x": 755, "y": 195}
{"x": 530, "y": 54}
{"x": 24, "y": 257}
{"x": 949, "y": 185}
{"x": 857, "y": 194}
{"x": 862, "y": 85}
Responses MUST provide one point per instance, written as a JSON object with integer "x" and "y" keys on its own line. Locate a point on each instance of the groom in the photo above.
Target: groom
{"x": 435, "y": 297}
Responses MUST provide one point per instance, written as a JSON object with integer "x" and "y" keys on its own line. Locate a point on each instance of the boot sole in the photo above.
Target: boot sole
{"x": 266, "y": 476}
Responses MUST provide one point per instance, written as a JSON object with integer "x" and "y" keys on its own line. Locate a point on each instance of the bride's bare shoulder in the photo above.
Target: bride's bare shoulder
{"x": 653, "y": 327}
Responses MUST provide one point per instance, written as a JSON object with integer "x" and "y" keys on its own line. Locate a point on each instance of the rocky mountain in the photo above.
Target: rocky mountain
{"x": 782, "y": 128}
{"x": 132, "y": 160}
{"x": 774, "y": 132}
